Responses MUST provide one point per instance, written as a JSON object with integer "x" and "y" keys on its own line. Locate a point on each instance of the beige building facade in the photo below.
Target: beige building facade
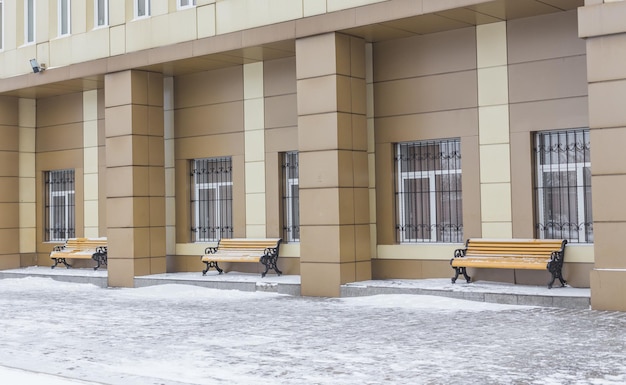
{"x": 137, "y": 99}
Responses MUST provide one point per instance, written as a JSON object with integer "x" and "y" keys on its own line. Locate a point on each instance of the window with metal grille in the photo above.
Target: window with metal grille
{"x": 563, "y": 186}
{"x": 59, "y": 213}
{"x": 291, "y": 197}
{"x": 211, "y": 199}
{"x": 429, "y": 203}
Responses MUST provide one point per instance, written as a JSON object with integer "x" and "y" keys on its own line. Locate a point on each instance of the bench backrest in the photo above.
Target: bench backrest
{"x": 540, "y": 248}
{"x": 85, "y": 243}
{"x": 247, "y": 244}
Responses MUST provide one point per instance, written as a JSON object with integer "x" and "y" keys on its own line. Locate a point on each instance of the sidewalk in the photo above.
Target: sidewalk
{"x": 492, "y": 292}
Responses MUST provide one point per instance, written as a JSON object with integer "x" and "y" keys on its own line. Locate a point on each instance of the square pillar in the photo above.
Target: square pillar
{"x": 334, "y": 178}
{"x": 9, "y": 184}
{"x": 135, "y": 175}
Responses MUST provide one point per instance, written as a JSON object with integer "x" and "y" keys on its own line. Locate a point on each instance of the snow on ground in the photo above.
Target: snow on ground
{"x": 58, "y": 333}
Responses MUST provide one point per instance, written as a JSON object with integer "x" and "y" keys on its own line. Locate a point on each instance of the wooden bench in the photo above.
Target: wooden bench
{"x": 533, "y": 254}
{"x": 264, "y": 251}
{"x": 80, "y": 248}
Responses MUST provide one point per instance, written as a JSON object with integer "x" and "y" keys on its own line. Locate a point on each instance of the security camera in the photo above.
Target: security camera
{"x": 36, "y": 66}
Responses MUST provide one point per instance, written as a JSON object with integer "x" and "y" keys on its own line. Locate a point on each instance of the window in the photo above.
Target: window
{"x": 1, "y": 25}
{"x": 29, "y": 21}
{"x": 428, "y": 191}
{"x": 563, "y": 186}
{"x": 142, "y": 8}
{"x": 59, "y": 205}
{"x": 291, "y": 197}
{"x": 101, "y": 8}
{"x": 212, "y": 199}
{"x": 64, "y": 17}
{"x": 186, "y": 3}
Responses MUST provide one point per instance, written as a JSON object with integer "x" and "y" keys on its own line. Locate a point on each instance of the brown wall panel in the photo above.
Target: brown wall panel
{"x": 549, "y": 114}
{"x": 281, "y": 139}
{"x": 451, "y": 91}
{"x": 60, "y": 110}
{"x": 209, "y": 146}
{"x": 209, "y": 119}
{"x": 281, "y": 111}
{"x": 279, "y": 77}
{"x": 211, "y": 87}
{"x": 544, "y": 37}
{"x": 548, "y": 79}
{"x": 9, "y": 137}
{"x": 522, "y": 183}
{"x": 437, "y": 53}
{"x": 61, "y": 137}
{"x": 8, "y": 111}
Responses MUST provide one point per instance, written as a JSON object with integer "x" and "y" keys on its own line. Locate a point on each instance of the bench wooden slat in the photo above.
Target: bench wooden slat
{"x": 80, "y": 248}
{"x": 530, "y": 254}
{"x": 264, "y": 251}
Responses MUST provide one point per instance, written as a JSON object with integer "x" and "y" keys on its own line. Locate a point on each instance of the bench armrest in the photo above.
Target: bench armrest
{"x": 271, "y": 251}
{"x": 210, "y": 250}
{"x": 459, "y": 253}
{"x": 58, "y": 248}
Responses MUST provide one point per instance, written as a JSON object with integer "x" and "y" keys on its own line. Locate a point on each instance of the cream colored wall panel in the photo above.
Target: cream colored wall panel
{"x": 173, "y": 28}
{"x": 255, "y": 151}
{"x": 256, "y": 231}
{"x": 27, "y": 189}
{"x": 90, "y": 188}
{"x": 60, "y": 52}
{"x": 206, "y": 21}
{"x": 255, "y": 177}
{"x": 24, "y": 54}
{"x": 43, "y": 53}
{"x": 170, "y": 211}
{"x": 91, "y": 214}
{"x": 497, "y": 230}
{"x": 205, "y": 2}
{"x": 44, "y": 14}
{"x": 495, "y": 161}
{"x": 253, "y": 80}
{"x": 138, "y": 34}
{"x": 159, "y": 7}
{"x": 336, "y": 5}
{"x": 491, "y": 45}
{"x": 313, "y": 7}
{"x": 91, "y": 160}
{"x": 579, "y": 253}
{"x": 27, "y": 118}
{"x": 371, "y": 168}
{"x": 192, "y": 248}
{"x": 8, "y": 64}
{"x": 91, "y": 45}
{"x": 254, "y": 114}
{"x": 28, "y": 240}
{"x": 236, "y": 15}
{"x": 79, "y": 17}
{"x": 90, "y": 133}
{"x": 170, "y": 182}
{"x": 90, "y": 105}
{"x": 27, "y": 139}
{"x": 27, "y": 214}
{"x": 10, "y": 24}
{"x": 493, "y": 86}
{"x": 117, "y": 40}
{"x": 442, "y": 251}
{"x": 289, "y": 250}
{"x": 117, "y": 12}
{"x": 495, "y": 202}
{"x": 255, "y": 209}
{"x": 27, "y": 165}
{"x": 493, "y": 124}
{"x": 169, "y": 152}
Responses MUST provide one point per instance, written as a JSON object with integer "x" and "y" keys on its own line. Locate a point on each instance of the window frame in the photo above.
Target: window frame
{"x": 291, "y": 199}
{"x": 179, "y": 5}
{"x": 1, "y": 25}
{"x": 105, "y": 10}
{"x": 30, "y": 31}
{"x": 582, "y": 172}
{"x": 64, "y": 213}
{"x": 215, "y": 210}
{"x": 147, "y": 9}
{"x": 64, "y": 28}
{"x": 432, "y": 219}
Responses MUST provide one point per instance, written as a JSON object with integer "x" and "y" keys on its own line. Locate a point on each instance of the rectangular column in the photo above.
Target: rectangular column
{"x": 493, "y": 128}
{"x": 170, "y": 167}
{"x": 334, "y": 177}
{"x": 90, "y": 164}
{"x": 603, "y": 27}
{"x": 254, "y": 137}
{"x": 135, "y": 182}
{"x": 9, "y": 184}
{"x": 27, "y": 111}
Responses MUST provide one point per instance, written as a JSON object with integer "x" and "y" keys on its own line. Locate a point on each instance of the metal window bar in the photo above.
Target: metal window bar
{"x": 429, "y": 203}
{"x": 59, "y": 205}
{"x": 563, "y": 186}
{"x": 291, "y": 197}
{"x": 211, "y": 199}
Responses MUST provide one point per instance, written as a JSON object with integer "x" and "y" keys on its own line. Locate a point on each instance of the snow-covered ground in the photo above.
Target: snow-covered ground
{"x": 59, "y": 333}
